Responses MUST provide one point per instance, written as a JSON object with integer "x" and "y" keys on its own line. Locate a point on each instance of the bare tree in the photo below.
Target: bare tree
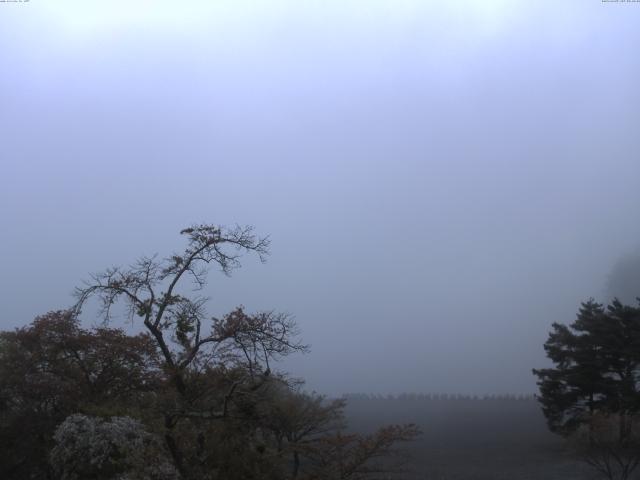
{"x": 236, "y": 349}
{"x": 609, "y": 443}
{"x": 299, "y": 421}
{"x": 361, "y": 457}
{"x": 309, "y": 429}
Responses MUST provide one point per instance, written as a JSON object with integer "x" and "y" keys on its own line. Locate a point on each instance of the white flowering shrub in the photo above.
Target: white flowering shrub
{"x": 114, "y": 449}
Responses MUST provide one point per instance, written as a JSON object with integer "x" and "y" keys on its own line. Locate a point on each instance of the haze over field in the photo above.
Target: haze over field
{"x": 440, "y": 180}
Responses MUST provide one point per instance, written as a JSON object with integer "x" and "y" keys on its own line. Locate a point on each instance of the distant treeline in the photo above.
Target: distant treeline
{"x": 440, "y": 397}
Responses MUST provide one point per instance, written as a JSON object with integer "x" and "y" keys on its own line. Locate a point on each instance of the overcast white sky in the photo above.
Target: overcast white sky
{"x": 441, "y": 180}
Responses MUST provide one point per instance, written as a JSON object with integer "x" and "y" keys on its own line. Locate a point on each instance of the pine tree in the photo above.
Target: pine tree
{"x": 597, "y": 366}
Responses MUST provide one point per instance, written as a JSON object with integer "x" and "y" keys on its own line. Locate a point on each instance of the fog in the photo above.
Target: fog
{"x": 440, "y": 180}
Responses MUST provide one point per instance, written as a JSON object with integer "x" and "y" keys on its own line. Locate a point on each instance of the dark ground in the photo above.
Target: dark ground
{"x": 483, "y": 439}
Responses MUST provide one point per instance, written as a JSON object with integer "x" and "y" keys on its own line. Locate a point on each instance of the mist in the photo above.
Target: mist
{"x": 439, "y": 182}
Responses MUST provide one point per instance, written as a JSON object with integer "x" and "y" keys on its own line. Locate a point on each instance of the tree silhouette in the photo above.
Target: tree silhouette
{"x": 193, "y": 346}
{"x": 624, "y": 279}
{"x": 595, "y": 377}
{"x": 225, "y": 412}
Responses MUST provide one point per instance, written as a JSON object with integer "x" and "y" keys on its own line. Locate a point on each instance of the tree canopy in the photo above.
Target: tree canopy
{"x": 196, "y": 395}
{"x": 597, "y": 364}
{"x": 594, "y": 382}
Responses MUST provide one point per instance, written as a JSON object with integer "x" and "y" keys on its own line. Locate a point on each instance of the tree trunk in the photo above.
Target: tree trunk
{"x": 176, "y": 455}
{"x": 296, "y": 463}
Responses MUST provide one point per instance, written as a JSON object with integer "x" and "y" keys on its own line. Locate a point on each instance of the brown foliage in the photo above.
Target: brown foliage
{"x": 53, "y": 368}
{"x": 358, "y": 457}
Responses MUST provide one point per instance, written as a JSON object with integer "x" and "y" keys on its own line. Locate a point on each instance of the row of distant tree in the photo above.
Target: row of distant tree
{"x": 440, "y": 397}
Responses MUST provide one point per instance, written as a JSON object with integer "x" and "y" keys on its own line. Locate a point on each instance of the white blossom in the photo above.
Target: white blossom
{"x": 118, "y": 448}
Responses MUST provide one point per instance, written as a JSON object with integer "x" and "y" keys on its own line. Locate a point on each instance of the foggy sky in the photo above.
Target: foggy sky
{"x": 440, "y": 180}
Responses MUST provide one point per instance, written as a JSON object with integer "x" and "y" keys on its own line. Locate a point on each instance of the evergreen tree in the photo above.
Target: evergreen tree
{"x": 597, "y": 364}
{"x": 574, "y": 387}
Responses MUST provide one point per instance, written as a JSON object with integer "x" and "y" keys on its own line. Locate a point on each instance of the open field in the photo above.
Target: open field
{"x": 493, "y": 439}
